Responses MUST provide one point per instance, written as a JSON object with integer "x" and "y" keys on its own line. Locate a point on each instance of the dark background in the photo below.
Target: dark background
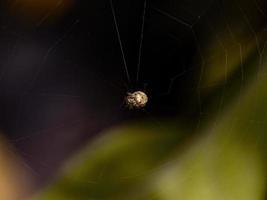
{"x": 62, "y": 77}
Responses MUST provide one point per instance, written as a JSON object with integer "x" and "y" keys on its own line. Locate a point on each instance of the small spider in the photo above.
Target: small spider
{"x": 136, "y": 100}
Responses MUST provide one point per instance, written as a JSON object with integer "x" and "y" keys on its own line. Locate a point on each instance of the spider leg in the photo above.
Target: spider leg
{"x": 172, "y": 80}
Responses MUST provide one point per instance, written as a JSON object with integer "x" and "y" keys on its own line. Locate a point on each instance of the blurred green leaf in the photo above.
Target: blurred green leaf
{"x": 226, "y": 161}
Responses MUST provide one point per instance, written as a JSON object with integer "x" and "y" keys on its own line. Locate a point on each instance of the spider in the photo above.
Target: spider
{"x": 136, "y": 100}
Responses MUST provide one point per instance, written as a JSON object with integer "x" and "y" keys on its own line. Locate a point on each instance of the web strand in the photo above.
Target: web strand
{"x": 141, "y": 41}
{"x": 120, "y": 42}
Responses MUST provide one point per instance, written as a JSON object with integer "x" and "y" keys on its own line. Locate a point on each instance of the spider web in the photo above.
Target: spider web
{"x": 63, "y": 82}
